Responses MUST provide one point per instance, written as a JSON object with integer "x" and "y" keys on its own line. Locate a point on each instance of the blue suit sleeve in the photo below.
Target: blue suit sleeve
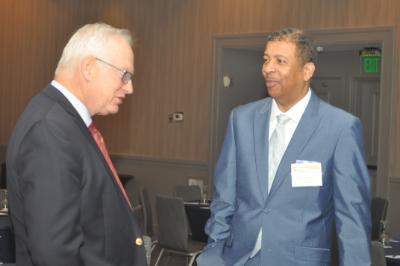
{"x": 352, "y": 196}
{"x": 223, "y": 204}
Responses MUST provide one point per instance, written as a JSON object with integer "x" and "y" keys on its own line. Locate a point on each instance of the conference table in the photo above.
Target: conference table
{"x": 7, "y": 243}
{"x": 392, "y": 253}
{"x": 198, "y": 213}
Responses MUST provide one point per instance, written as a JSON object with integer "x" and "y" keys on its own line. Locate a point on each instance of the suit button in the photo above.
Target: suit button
{"x": 138, "y": 241}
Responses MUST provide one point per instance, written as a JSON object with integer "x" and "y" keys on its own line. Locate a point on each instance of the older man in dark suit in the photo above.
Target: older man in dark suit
{"x": 67, "y": 204}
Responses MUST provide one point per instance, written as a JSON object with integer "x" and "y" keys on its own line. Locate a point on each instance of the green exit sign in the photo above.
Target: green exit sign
{"x": 371, "y": 64}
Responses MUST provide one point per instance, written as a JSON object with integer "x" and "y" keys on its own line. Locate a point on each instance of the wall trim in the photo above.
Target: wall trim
{"x": 157, "y": 160}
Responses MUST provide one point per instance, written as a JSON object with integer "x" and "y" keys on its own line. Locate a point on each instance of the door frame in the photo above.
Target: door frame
{"x": 382, "y": 35}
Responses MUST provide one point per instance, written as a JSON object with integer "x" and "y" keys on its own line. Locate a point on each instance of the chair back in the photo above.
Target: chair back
{"x": 147, "y": 214}
{"x": 378, "y": 213}
{"x": 188, "y": 193}
{"x": 377, "y": 254}
{"x": 172, "y": 223}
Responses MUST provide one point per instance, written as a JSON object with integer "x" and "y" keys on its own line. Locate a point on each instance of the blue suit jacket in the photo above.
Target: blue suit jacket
{"x": 297, "y": 222}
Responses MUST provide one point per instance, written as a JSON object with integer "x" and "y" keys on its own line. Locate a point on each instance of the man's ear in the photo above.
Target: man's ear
{"x": 87, "y": 67}
{"x": 308, "y": 71}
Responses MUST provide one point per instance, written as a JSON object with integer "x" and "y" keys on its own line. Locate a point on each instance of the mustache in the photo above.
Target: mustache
{"x": 270, "y": 76}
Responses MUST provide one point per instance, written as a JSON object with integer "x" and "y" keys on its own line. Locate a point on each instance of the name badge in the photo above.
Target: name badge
{"x": 306, "y": 174}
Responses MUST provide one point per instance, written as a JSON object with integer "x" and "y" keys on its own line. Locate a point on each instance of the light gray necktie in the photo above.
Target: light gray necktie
{"x": 276, "y": 148}
{"x": 275, "y": 152}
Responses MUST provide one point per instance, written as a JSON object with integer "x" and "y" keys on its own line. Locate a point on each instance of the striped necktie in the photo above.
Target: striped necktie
{"x": 102, "y": 146}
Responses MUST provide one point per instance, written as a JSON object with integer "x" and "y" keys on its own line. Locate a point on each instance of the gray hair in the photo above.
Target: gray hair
{"x": 90, "y": 39}
{"x": 304, "y": 44}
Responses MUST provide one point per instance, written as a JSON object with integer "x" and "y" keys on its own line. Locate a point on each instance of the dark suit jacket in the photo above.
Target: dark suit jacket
{"x": 297, "y": 222}
{"x": 65, "y": 205}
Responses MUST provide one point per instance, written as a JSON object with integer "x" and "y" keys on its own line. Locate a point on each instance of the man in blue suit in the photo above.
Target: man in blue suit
{"x": 291, "y": 168}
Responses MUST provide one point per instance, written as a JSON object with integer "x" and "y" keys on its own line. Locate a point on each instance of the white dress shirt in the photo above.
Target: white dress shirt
{"x": 76, "y": 103}
{"x": 294, "y": 114}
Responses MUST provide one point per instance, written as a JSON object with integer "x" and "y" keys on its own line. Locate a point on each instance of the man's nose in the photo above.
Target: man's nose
{"x": 128, "y": 87}
{"x": 268, "y": 68}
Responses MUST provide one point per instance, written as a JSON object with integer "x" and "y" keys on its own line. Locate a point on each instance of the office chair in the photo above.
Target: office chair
{"x": 147, "y": 217}
{"x": 378, "y": 213}
{"x": 173, "y": 229}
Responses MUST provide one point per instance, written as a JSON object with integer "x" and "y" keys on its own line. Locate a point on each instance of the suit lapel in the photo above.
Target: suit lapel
{"x": 302, "y": 135}
{"x": 58, "y": 97}
{"x": 261, "y": 129}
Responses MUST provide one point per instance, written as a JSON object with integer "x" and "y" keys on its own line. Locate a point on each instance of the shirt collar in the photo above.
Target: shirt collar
{"x": 76, "y": 103}
{"x": 295, "y": 112}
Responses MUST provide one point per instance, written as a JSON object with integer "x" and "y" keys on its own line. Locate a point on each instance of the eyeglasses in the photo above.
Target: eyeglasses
{"x": 126, "y": 76}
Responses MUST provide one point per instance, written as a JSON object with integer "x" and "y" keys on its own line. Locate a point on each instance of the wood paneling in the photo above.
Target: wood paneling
{"x": 173, "y": 59}
{"x": 32, "y": 36}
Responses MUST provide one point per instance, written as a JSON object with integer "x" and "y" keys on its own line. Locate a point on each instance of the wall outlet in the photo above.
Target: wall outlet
{"x": 175, "y": 117}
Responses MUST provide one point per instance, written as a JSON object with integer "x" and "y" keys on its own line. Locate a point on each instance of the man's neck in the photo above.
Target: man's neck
{"x": 72, "y": 86}
{"x": 284, "y": 106}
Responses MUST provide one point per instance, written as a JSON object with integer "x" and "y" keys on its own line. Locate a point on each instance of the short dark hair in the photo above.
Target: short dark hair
{"x": 305, "y": 45}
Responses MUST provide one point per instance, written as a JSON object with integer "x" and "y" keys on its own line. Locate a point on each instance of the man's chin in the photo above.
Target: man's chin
{"x": 272, "y": 92}
{"x": 109, "y": 111}
{"x": 113, "y": 110}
